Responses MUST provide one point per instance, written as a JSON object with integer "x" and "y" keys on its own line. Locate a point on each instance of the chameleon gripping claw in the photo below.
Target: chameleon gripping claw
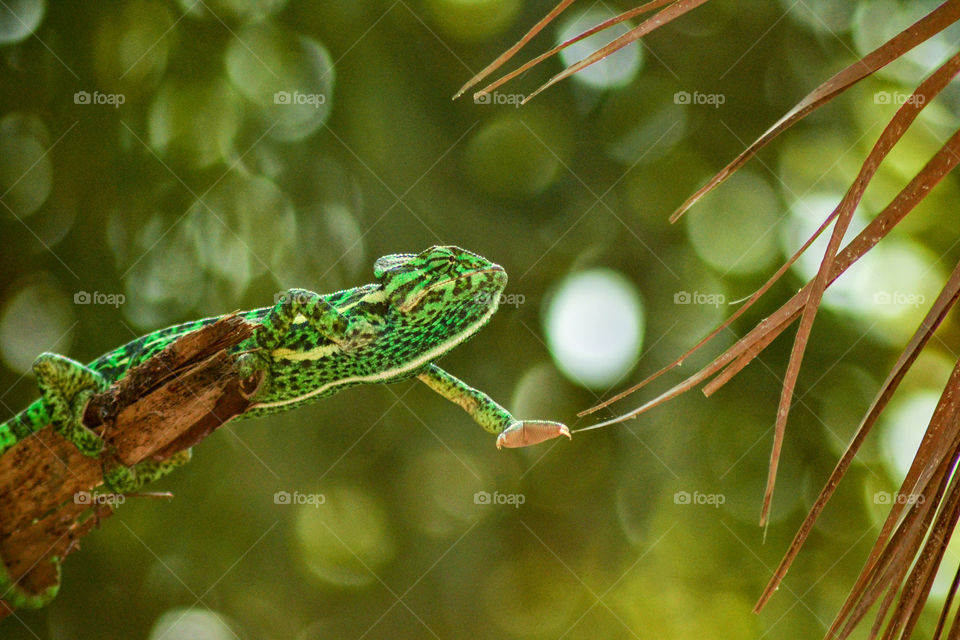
{"x": 529, "y": 432}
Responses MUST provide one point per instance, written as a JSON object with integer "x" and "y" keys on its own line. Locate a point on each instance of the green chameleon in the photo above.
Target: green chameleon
{"x": 308, "y": 346}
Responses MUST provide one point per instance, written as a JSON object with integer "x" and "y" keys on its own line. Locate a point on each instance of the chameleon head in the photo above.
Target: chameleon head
{"x": 441, "y": 281}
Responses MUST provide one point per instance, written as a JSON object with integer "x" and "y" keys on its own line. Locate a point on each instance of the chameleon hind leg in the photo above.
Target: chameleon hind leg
{"x": 488, "y": 414}
{"x": 66, "y": 385}
{"x": 130, "y": 479}
{"x": 16, "y": 597}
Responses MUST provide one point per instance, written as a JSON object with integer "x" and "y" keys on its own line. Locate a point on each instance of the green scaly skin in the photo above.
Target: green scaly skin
{"x": 309, "y": 346}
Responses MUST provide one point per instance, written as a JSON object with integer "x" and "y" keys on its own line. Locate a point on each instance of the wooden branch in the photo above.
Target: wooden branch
{"x": 163, "y": 406}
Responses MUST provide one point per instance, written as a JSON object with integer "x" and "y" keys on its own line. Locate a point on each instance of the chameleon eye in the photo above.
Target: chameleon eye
{"x": 443, "y": 261}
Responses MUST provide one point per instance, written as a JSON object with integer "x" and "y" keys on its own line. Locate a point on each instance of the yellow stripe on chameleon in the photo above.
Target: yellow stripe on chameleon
{"x": 316, "y": 353}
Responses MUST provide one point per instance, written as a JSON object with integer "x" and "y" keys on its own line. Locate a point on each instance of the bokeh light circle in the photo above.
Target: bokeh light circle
{"x": 594, "y": 326}
{"x": 37, "y": 317}
{"x": 473, "y": 20}
{"x": 733, "y": 228}
{"x": 344, "y": 539}
{"x": 287, "y": 76}
{"x": 510, "y": 157}
{"x": 192, "y": 624}
{"x": 617, "y": 69}
{"x": 26, "y": 168}
{"x": 19, "y": 19}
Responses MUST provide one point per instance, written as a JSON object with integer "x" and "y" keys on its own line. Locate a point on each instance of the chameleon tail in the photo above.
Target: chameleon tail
{"x": 25, "y": 423}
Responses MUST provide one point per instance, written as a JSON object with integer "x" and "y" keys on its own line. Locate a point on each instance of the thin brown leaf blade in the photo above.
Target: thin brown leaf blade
{"x": 932, "y": 555}
{"x": 941, "y": 163}
{"x": 938, "y": 311}
{"x": 520, "y": 44}
{"x": 739, "y": 364}
{"x": 926, "y": 92}
{"x": 947, "y": 605}
{"x": 922, "y": 30}
{"x": 938, "y": 166}
{"x": 726, "y": 323}
{"x": 888, "y": 563}
{"x": 891, "y": 134}
{"x": 665, "y": 16}
{"x": 626, "y": 15}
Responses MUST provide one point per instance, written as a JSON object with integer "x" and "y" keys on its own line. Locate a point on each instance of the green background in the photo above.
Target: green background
{"x": 201, "y": 194}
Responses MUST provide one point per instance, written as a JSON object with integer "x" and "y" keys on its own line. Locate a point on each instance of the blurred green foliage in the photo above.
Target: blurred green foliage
{"x": 181, "y": 159}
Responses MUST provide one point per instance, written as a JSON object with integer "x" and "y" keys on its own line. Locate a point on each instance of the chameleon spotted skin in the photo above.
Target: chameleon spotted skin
{"x": 308, "y": 346}
{"x": 305, "y": 360}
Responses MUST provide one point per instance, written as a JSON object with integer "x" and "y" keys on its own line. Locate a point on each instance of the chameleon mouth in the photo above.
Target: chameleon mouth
{"x": 413, "y": 302}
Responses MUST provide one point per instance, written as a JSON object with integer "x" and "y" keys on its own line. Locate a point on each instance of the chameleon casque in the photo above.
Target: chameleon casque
{"x": 309, "y": 346}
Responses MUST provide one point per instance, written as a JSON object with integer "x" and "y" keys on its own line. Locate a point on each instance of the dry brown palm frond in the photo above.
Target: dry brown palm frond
{"x": 899, "y": 571}
{"x": 676, "y": 9}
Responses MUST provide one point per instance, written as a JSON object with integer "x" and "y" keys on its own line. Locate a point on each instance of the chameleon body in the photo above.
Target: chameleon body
{"x": 309, "y": 346}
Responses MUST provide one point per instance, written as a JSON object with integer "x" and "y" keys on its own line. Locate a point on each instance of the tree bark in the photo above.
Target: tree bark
{"x": 165, "y": 405}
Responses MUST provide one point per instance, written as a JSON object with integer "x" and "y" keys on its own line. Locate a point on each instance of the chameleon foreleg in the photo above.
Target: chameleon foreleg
{"x": 488, "y": 414}
{"x": 66, "y": 385}
{"x": 348, "y": 332}
{"x": 130, "y": 479}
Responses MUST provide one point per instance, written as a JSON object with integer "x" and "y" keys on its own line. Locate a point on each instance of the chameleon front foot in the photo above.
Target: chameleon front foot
{"x": 248, "y": 364}
{"x": 66, "y": 386}
{"x": 524, "y": 433}
{"x": 346, "y": 331}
